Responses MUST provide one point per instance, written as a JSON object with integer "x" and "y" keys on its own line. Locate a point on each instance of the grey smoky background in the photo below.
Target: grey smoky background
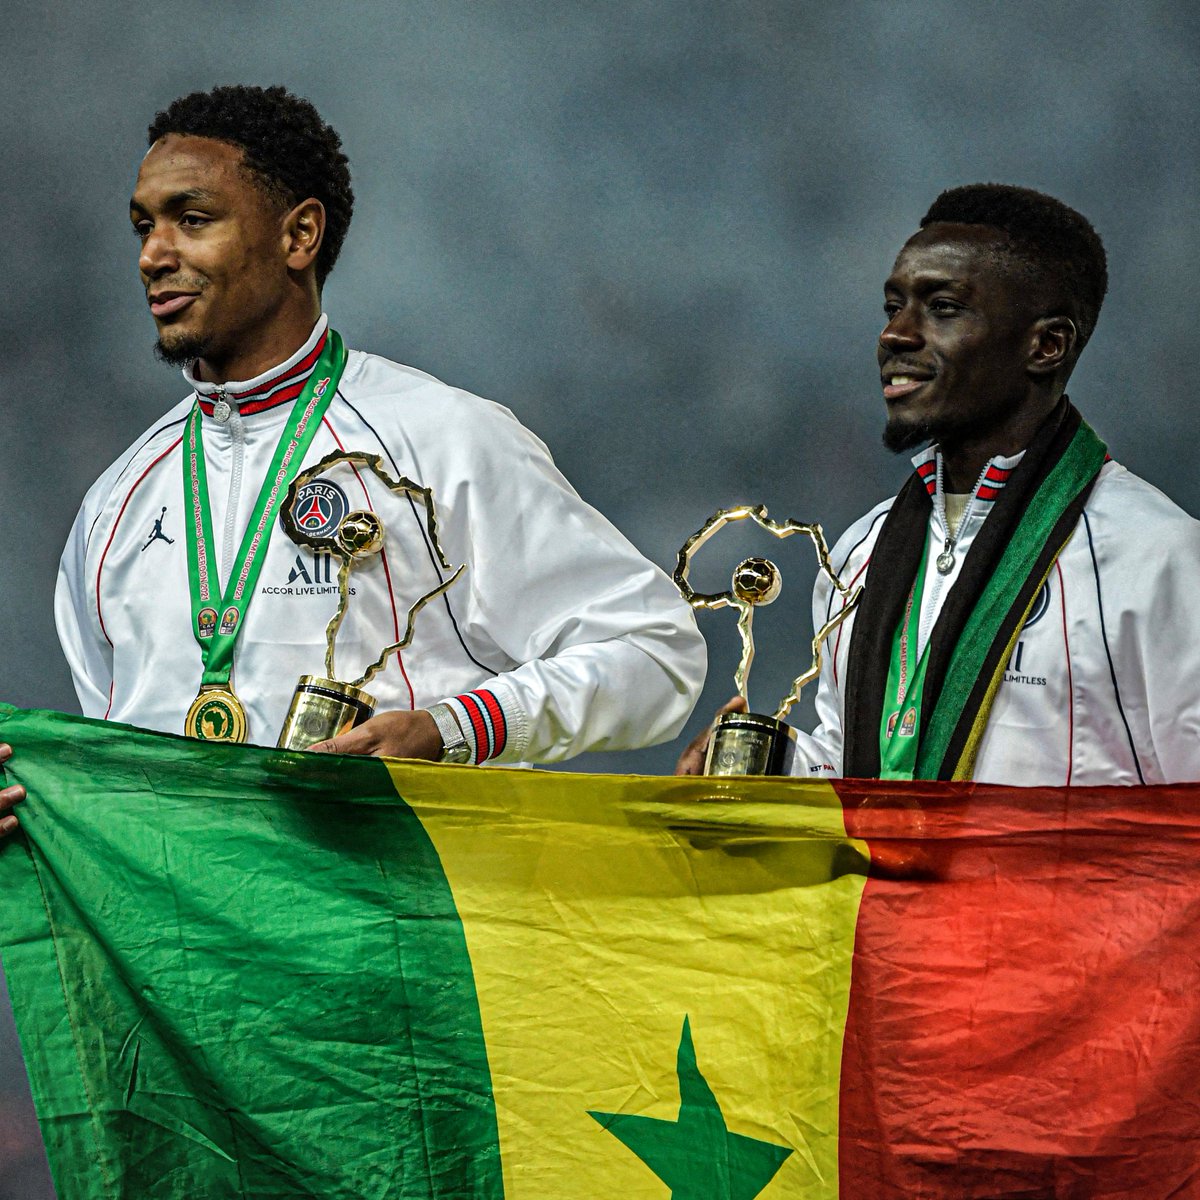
{"x": 656, "y": 230}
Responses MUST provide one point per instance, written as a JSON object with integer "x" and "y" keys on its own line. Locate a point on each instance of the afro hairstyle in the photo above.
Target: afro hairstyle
{"x": 1057, "y": 247}
{"x": 288, "y": 148}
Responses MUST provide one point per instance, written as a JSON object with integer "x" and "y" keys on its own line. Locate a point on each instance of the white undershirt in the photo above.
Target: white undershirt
{"x": 956, "y": 505}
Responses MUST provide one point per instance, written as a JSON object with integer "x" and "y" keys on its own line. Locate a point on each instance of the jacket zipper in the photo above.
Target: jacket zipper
{"x": 925, "y": 628}
{"x": 237, "y": 434}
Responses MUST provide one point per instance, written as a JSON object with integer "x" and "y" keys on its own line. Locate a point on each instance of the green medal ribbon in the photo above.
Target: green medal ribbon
{"x": 217, "y": 620}
{"x": 899, "y": 729}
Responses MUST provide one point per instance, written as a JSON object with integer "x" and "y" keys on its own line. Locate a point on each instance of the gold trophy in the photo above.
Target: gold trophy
{"x": 322, "y": 705}
{"x": 751, "y": 743}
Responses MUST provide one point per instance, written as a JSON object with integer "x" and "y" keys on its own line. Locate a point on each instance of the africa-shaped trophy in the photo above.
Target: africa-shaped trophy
{"x": 752, "y": 743}
{"x": 322, "y": 705}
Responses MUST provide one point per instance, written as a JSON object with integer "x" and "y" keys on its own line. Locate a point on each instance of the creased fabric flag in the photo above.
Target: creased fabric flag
{"x": 244, "y": 973}
{"x": 1025, "y": 999}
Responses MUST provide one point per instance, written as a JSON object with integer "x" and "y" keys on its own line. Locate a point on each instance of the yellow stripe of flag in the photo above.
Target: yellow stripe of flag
{"x": 602, "y": 913}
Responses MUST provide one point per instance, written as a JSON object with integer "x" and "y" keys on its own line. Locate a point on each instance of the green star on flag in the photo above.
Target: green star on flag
{"x": 695, "y": 1155}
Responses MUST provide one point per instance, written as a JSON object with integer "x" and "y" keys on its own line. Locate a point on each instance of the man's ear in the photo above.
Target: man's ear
{"x": 303, "y": 229}
{"x": 1052, "y": 342}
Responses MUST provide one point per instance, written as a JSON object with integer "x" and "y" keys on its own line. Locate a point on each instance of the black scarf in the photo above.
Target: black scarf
{"x": 1061, "y": 464}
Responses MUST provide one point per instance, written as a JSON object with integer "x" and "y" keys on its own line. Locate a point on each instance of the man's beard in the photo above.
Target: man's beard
{"x": 181, "y": 351}
{"x": 899, "y": 436}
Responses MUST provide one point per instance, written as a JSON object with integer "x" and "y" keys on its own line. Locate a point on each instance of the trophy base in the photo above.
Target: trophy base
{"x": 750, "y": 744}
{"x": 321, "y": 709}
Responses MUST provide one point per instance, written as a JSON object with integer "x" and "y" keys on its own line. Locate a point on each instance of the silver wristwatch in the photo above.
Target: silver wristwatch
{"x": 455, "y": 747}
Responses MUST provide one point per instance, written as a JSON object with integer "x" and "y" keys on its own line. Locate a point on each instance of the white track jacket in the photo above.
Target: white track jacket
{"x": 559, "y": 638}
{"x": 1104, "y": 684}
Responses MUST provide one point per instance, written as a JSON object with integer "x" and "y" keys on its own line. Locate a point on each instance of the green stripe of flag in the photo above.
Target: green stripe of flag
{"x": 265, "y": 982}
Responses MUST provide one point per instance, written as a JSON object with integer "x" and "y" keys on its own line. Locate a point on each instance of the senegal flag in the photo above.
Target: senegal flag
{"x": 245, "y": 974}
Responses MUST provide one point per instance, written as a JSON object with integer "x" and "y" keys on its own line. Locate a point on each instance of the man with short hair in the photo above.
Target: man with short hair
{"x": 179, "y": 592}
{"x": 1029, "y": 608}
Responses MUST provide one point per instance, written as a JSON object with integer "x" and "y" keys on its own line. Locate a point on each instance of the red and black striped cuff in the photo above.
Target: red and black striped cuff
{"x": 485, "y": 727}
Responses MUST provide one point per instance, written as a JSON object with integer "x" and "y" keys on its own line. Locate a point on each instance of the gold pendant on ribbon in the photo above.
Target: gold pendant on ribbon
{"x": 216, "y": 715}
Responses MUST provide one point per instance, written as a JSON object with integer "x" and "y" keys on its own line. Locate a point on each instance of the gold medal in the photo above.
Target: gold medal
{"x": 216, "y": 715}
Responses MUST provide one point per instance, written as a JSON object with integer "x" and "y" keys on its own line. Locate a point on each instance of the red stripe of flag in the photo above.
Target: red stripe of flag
{"x": 1022, "y": 1012}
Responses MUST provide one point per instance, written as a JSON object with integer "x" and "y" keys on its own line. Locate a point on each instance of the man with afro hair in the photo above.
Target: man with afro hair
{"x": 559, "y": 638}
{"x": 1028, "y": 613}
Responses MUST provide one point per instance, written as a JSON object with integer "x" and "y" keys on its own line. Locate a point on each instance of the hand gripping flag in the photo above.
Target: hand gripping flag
{"x": 245, "y": 973}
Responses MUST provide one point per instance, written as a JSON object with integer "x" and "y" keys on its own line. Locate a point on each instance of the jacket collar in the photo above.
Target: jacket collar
{"x": 989, "y": 485}
{"x": 280, "y": 385}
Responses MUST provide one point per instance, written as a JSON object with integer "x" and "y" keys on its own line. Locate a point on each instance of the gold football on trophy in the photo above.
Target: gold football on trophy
{"x": 756, "y": 581}
{"x": 360, "y": 534}
{"x": 749, "y": 743}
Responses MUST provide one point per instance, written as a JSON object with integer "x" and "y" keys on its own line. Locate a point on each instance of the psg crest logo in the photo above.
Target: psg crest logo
{"x": 320, "y": 507}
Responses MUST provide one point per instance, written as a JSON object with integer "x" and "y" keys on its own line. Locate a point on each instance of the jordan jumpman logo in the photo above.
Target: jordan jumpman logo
{"x": 158, "y": 533}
